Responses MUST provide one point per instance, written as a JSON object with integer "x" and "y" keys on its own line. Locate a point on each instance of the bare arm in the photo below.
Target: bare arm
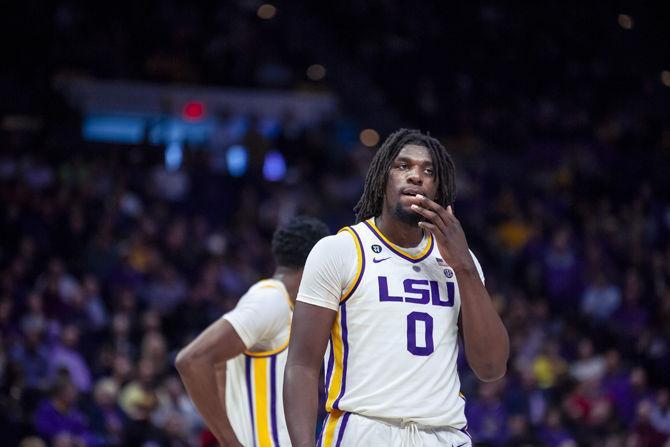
{"x": 309, "y": 337}
{"x": 484, "y": 335}
{"x": 200, "y": 364}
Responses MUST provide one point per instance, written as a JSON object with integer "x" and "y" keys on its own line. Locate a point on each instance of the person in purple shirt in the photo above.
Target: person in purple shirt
{"x": 66, "y": 356}
{"x": 60, "y": 414}
{"x": 552, "y": 432}
{"x": 486, "y": 414}
{"x": 562, "y": 272}
{"x": 31, "y": 354}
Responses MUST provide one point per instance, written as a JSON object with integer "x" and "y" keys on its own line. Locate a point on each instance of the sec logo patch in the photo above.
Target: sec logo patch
{"x": 448, "y": 273}
{"x": 376, "y": 248}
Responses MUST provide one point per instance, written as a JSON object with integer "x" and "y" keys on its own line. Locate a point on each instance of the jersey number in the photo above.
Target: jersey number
{"x": 427, "y": 347}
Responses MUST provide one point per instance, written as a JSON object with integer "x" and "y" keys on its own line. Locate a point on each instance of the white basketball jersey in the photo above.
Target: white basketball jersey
{"x": 394, "y": 343}
{"x": 254, "y": 384}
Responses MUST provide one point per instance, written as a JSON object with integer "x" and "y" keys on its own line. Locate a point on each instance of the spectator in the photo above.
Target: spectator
{"x": 138, "y": 398}
{"x": 589, "y": 366}
{"x": 66, "y": 356}
{"x": 601, "y": 298}
{"x": 31, "y": 355}
{"x": 107, "y": 419}
{"x": 553, "y": 433}
{"x": 643, "y": 432}
{"x": 486, "y": 414}
{"x": 60, "y": 415}
{"x": 660, "y": 412}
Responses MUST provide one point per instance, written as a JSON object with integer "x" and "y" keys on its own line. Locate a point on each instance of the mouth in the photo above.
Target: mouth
{"x": 411, "y": 192}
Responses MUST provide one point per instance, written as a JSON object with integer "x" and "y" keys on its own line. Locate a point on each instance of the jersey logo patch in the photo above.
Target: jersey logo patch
{"x": 375, "y": 260}
{"x": 376, "y": 248}
{"x": 448, "y": 273}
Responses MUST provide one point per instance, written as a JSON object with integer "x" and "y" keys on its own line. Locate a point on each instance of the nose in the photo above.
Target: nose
{"x": 414, "y": 176}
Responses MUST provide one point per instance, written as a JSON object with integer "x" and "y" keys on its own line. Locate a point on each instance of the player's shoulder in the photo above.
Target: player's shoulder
{"x": 266, "y": 289}
{"x": 334, "y": 244}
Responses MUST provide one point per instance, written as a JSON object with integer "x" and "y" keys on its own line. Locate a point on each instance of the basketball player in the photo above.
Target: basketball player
{"x": 388, "y": 296}
{"x": 233, "y": 371}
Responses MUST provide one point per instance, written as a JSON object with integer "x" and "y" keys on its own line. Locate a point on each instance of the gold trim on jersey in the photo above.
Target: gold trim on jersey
{"x": 269, "y": 353}
{"x": 335, "y": 385}
{"x": 261, "y": 401}
{"x": 424, "y": 252}
{"x": 268, "y": 284}
{"x": 359, "y": 265}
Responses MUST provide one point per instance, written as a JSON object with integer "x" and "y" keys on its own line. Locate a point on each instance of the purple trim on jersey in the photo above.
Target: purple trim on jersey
{"x": 329, "y": 368}
{"x": 273, "y": 400}
{"x": 360, "y": 277}
{"x": 250, "y": 396}
{"x": 342, "y": 425}
{"x": 402, "y": 255}
{"x": 345, "y": 343}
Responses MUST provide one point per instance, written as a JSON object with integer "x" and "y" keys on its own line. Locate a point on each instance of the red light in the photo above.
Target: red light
{"x": 194, "y": 111}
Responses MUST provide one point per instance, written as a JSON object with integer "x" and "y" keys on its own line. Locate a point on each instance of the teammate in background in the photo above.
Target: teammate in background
{"x": 233, "y": 371}
{"x": 388, "y": 296}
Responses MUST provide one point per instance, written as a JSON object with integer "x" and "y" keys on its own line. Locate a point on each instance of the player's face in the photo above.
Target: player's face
{"x": 411, "y": 173}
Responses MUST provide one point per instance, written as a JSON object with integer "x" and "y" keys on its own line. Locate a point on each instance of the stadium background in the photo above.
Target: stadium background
{"x": 148, "y": 149}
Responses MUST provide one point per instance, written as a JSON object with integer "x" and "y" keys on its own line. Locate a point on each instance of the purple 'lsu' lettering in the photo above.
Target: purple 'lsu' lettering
{"x": 418, "y": 294}
{"x": 409, "y": 288}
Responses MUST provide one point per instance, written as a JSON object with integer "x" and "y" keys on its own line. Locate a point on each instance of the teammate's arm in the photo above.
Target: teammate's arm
{"x": 328, "y": 271}
{"x": 309, "y": 337}
{"x": 484, "y": 335}
{"x": 200, "y": 364}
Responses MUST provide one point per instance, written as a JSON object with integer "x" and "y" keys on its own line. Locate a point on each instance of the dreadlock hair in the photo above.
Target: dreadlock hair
{"x": 370, "y": 203}
{"x": 292, "y": 242}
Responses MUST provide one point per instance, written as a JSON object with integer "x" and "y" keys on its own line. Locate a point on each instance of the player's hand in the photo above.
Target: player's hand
{"x": 447, "y": 232}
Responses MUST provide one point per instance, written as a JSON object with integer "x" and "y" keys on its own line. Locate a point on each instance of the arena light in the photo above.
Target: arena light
{"x": 113, "y": 128}
{"x": 316, "y": 72}
{"x": 237, "y": 159}
{"x": 193, "y": 111}
{"x": 369, "y": 137}
{"x": 274, "y": 167}
{"x": 625, "y": 21}
{"x": 266, "y": 11}
{"x": 665, "y": 77}
{"x": 174, "y": 155}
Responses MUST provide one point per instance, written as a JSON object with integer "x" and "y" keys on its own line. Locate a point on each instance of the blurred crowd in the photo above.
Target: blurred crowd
{"x": 110, "y": 261}
{"x": 107, "y": 269}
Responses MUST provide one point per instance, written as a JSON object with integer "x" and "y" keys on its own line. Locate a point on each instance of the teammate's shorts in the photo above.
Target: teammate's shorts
{"x": 354, "y": 430}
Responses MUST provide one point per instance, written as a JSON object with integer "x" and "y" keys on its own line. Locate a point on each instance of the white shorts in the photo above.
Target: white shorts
{"x": 354, "y": 430}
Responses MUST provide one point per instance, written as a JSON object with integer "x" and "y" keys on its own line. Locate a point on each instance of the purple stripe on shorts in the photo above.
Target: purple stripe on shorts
{"x": 341, "y": 432}
{"x": 250, "y": 396}
{"x": 273, "y": 399}
{"x": 345, "y": 343}
{"x": 399, "y": 253}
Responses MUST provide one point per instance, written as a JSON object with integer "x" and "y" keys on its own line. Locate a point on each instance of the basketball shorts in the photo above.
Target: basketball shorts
{"x": 361, "y": 431}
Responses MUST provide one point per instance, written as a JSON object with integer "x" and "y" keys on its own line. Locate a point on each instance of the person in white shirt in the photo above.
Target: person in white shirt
{"x": 385, "y": 300}
{"x": 233, "y": 371}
